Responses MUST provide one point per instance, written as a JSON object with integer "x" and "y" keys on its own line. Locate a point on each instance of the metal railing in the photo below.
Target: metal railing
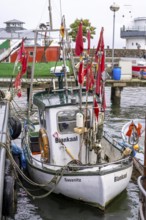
{"x": 3, "y": 139}
{"x": 142, "y": 198}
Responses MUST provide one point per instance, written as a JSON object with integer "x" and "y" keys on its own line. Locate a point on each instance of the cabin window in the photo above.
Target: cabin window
{"x": 42, "y": 118}
{"x": 67, "y": 120}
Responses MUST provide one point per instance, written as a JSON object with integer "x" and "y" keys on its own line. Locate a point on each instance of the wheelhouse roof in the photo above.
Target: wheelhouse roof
{"x": 58, "y": 98}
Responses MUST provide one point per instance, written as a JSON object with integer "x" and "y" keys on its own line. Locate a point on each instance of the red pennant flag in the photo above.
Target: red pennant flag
{"x": 100, "y": 46}
{"x": 88, "y": 41}
{"x": 81, "y": 73}
{"x": 22, "y": 57}
{"x": 89, "y": 77}
{"x": 24, "y": 64}
{"x": 100, "y": 59}
{"x": 96, "y": 109}
{"x": 79, "y": 41}
{"x": 103, "y": 98}
{"x": 20, "y": 52}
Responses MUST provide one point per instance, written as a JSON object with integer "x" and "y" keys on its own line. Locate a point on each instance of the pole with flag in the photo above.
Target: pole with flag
{"x": 100, "y": 59}
{"x": 88, "y": 41}
{"x": 62, "y": 33}
{"x": 98, "y": 85}
{"x": 78, "y": 51}
{"x": 79, "y": 41}
{"x": 22, "y": 58}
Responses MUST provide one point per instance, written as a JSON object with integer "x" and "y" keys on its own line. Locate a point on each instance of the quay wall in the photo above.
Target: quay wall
{"x": 121, "y": 52}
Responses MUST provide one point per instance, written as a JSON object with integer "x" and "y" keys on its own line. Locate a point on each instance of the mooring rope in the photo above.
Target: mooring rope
{"x": 55, "y": 180}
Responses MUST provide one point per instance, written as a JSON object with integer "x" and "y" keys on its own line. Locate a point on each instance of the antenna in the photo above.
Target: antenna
{"x": 60, "y": 8}
{"x": 50, "y": 15}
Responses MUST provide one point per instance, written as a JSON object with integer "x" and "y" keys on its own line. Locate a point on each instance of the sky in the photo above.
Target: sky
{"x": 34, "y": 12}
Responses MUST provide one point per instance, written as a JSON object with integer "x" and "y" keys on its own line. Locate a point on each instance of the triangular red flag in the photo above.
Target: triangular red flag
{"x": 100, "y": 59}
{"x": 81, "y": 73}
{"x": 96, "y": 109}
{"x": 79, "y": 41}
{"x": 22, "y": 57}
{"x": 89, "y": 77}
{"x": 103, "y": 98}
{"x": 88, "y": 41}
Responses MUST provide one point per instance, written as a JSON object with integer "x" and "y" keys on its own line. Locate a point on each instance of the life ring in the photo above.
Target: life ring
{"x": 44, "y": 145}
{"x": 133, "y": 133}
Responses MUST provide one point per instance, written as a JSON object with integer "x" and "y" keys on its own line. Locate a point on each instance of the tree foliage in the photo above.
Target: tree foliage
{"x": 85, "y": 24}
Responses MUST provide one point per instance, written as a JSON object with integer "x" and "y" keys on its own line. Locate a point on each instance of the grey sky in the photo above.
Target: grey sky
{"x": 34, "y": 12}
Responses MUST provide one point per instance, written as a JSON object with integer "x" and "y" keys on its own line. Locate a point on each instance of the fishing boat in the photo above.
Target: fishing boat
{"x": 67, "y": 151}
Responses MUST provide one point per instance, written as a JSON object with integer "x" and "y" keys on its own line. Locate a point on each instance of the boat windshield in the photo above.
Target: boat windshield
{"x": 67, "y": 120}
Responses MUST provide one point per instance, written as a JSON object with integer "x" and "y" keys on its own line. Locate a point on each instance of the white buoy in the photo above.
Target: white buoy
{"x": 79, "y": 120}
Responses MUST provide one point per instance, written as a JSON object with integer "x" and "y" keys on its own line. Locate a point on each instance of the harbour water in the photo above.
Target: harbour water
{"x": 125, "y": 206}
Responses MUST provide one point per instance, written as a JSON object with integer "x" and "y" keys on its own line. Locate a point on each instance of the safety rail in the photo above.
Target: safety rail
{"x": 4, "y": 112}
{"x": 84, "y": 166}
{"x": 142, "y": 198}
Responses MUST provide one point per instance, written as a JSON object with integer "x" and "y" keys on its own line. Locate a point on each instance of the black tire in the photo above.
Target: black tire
{"x": 15, "y": 127}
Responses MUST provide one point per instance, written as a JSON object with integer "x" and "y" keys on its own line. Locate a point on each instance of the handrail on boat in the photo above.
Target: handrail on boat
{"x": 142, "y": 201}
{"x": 86, "y": 166}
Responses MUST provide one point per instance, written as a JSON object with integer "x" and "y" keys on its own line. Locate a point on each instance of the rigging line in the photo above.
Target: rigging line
{"x": 42, "y": 13}
{"x": 16, "y": 168}
{"x": 57, "y": 11}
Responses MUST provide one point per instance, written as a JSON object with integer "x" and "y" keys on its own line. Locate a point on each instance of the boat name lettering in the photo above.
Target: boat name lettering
{"x": 118, "y": 178}
{"x": 67, "y": 139}
{"x": 72, "y": 180}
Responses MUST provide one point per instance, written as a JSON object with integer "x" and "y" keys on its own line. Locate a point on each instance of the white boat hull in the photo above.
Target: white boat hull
{"x": 90, "y": 185}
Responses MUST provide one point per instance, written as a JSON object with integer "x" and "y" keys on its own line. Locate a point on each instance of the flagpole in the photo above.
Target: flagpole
{"x": 64, "y": 60}
{"x": 50, "y": 15}
{"x": 78, "y": 51}
{"x": 99, "y": 57}
{"x": 32, "y": 74}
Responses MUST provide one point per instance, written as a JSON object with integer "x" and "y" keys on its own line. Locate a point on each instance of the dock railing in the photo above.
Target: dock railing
{"x": 142, "y": 198}
{"x": 4, "y": 114}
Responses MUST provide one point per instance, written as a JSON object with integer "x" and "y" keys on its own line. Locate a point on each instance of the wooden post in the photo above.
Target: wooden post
{"x": 115, "y": 92}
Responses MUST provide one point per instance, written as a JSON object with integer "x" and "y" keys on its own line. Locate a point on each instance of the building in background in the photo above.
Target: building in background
{"x": 135, "y": 34}
{"x": 10, "y": 36}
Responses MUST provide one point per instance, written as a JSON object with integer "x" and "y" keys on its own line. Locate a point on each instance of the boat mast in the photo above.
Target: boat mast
{"x": 50, "y": 15}
{"x": 32, "y": 75}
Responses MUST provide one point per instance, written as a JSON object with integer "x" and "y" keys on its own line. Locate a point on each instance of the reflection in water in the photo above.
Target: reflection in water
{"x": 125, "y": 206}
{"x": 57, "y": 207}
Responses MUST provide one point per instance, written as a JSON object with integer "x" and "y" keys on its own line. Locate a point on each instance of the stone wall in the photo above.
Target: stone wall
{"x": 122, "y": 53}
